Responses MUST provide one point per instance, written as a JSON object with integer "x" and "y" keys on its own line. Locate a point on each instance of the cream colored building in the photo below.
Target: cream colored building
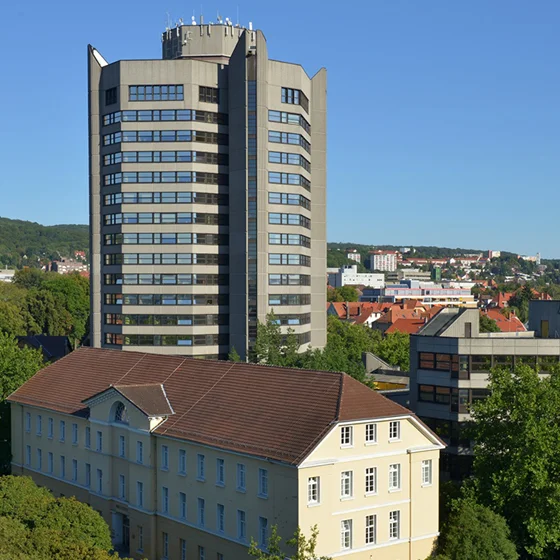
{"x": 191, "y": 459}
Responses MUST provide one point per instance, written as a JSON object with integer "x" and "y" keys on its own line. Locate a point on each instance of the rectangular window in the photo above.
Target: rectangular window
{"x": 39, "y": 424}
{"x": 241, "y": 477}
{"x": 88, "y": 437}
{"x": 241, "y": 525}
{"x": 140, "y": 494}
{"x": 75, "y": 470}
{"x": 220, "y": 472}
{"x": 201, "y": 553}
{"x": 111, "y": 96}
{"x": 99, "y": 442}
{"x": 427, "y": 472}
{"x": 208, "y": 94}
{"x": 27, "y": 422}
{"x": 394, "y": 525}
{"x": 122, "y": 446}
{"x": 346, "y": 436}
{"x": 27, "y": 455}
{"x": 75, "y": 434}
{"x": 182, "y": 461}
{"x": 165, "y": 457}
{"x": 371, "y": 433}
{"x": 183, "y": 548}
{"x": 394, "y": 476}
{"x": 155, "y": 93}
{"x": 99, "y": 481}
{"x": 140, "y": 532}
{"x": 346, "y": 484}
{"x": 88, "y": 475}
{"x": 39, "y": 460}
{"x": 50, "y": 463}
{"x": 50, "y": 433}
{"x": 371, "y": 480}
{"x": 201, "y": 468}
{"x": 182, "y": 505}
{"x": 263, "y": 532}
{"x": 220, "y": 518}
{"x": 122, "y": 487}
{"x": 394, "y": 430}
{"x": 313, "y": 490}
{"x": 139, "y": 452}
{"x": 346, "y": 534}
{"x": 263, "y": 483}
{"x": 371, "y": 529}
{"x": 165, "y": 545}
{"x": 165, "y": 499}
{"x": 201, "y": 512}
{"x": 62, "y": 466}
{"x": 62, "y": 434}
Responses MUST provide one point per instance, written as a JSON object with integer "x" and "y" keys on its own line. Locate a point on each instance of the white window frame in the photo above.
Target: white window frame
{"x": 313, "y": 490}
{"x": 62, "y": 466}
{"x": 122, "y": 487}
{"x": 99, "y": 441}
{"x": 394, "y": 476}
{"x": 371, "y": 529}
{"x": 164, "y": 458}
{"x": 201, "y": 553}
{"x": 75, "y": 470}
{"x": 241, "y": 525}
{"x": 74, "y": 434}
{"x": 62, "y": 434}
{"x": 165, "y": 544}
{"x": 220, "y": 472}
{"x": 182, "y": 505}
{"x": 394, "y": 525}
{"x": 427, "y": 472}
{"x": 346, "y": 534}
{"x": 122, "y": 446}
{"x": 139, "y": 452}
{"x": 371, "y": 474}
{"x": 346, "y": 436}
{"x": 99, "y": 481}
{"x": 241, "y": 477}
{"x": 50, "y": 428}
{"x": 263, "y": 483}
{"x": 220, "y": 518}
{"x": 346, "y": 485}
{"x": 39, "y": 424}
{"x": 182, "y": 468}
{"x": 50, "y": 462}
{"x": 88, "y": 475}
{"x": 28, "y": 455}
{"x": 201, "y": 512}
{"x": 371, "y": 433}
{"x": 28, "y": 422}
{"x": 39, "y": 460}
{"x": 263, "y": 532}
{"x": 140, "y": 531}
{"x": 183, "y": 549}
{"x": 88, "y": 438}
{"x": 200, "y": 467}
{"x": 394, "y": 431}
{"x": 139, "y": 493}
{"x": 165, "y": 499}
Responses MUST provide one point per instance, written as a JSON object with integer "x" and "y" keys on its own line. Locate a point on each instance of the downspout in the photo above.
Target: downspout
{"x": 410, "y": 505}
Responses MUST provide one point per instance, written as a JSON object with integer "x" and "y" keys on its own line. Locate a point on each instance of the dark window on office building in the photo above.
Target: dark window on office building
{"x": 207, "y": 94}
{"x": 111, "y": 96}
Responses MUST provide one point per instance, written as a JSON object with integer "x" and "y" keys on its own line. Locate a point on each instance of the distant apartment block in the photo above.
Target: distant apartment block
{"x": 349, "y": 275}
{"x": 396, "y": 276}
{"x": 67, "y": 266}
{"x": 383, "y": 260}
{"x": 188, "y": 458}
{"x": 353, "y": 255}
{"x": 7, "y": 274}
{"x": 449, "y": 364}
{"x": 207, "y": 195}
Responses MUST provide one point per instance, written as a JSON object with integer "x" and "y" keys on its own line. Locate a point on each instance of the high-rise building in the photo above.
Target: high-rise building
{"x": 207, "y": 195}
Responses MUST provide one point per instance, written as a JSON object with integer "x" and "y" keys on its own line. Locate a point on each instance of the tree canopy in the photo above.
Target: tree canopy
{"x": 34, "y": 525}
{"x": 516, "y": 461}
{"x": 344, "y": 293}
{"x": 488, "y": 324}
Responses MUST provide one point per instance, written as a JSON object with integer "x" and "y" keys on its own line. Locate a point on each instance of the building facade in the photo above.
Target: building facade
{"x": 450, "y": 360}
{"x": 353, "y": 255}
{"x": 146, "y": 440}
{"x": 385, "y": 261}
{"x": 207, "y": 195}
{"x": 348, "y": 275}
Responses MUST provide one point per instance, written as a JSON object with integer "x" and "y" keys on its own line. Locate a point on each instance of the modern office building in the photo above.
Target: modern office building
{"x": 207, "y": 195}
{"x": 348, "y": 275}
{"x": 187, "y": 458}
{"x": 385, "y": 261}
{"x": 450, "y": 360}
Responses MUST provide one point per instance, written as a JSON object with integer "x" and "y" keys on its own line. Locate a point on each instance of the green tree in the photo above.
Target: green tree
{"x": 233, "y": 355}
{"x": 17, "y": 365}
{"x": 304, "y": 547}
{"x": 268, "y": 344}
{"x": 475, "y": 532}
{"x": 348, "y": 293}
{"x": 516, "y": 464}
{"x": 333, "y": 295}
{"x": 29, "y": 278}
{"x": 394, "y": 348}
{"x": 487, "y": 324}
{"x": 13, "y": 320}
{"x": 36, "y": 526}
{"x": 47, "y": 314}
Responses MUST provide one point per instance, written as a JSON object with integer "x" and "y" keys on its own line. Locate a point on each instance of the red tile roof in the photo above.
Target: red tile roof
{"x": 410, "y": 326}
{"x": 357, "y": 308}
{"x": 273, "y": 412}
{"x": 505, "y": 324}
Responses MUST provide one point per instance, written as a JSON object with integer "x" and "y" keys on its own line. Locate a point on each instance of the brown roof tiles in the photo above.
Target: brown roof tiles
{"x": 278, "y": 413}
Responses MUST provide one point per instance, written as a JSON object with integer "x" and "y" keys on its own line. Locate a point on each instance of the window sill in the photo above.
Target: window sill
{"x": 314, "y": 505}
{"x": 393, "y": 490}
{"x": 75, "y": 444}
{"x": 200, "y": 479}
{"x": 395, "y": 440}
{"x": 347, "y": 446}
{"x": 427, "y": 485}
{"x": 346, "y": 498}
{"x": 165, "y": 469}
{"x": 262, "y": 496}
{"x": 241, "y": 490}
{"x": 139, "y": 462}
{"x": 368, "y": 443}
{"x": 182, "y": 474}
{"x": 220, "y": 484}
{"x": 369, "y": 494}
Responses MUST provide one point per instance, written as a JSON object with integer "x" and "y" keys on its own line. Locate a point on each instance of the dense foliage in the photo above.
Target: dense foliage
{"x": 487, "y": 324}
{"x": 475, "y": 532}
{"x": 45, "y": 303}
{"x": 17, "y": 365}
{"x": 28, "y": 243}
{"x": 517, "y": 464}
{"x": 344, "y": 293}
{"x": 304, "y": 548}
{"x": 343, "y": 351}
{"x": 36, "y": 526}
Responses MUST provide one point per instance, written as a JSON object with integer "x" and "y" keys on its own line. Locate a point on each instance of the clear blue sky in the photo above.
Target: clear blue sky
{"x": 444, "y": 116}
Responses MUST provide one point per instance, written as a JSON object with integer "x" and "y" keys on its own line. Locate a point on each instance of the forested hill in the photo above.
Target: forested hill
{"x": 19, "y": 238}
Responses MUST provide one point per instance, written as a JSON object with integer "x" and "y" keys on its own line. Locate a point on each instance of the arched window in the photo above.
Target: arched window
{"x": 120, "y": 414}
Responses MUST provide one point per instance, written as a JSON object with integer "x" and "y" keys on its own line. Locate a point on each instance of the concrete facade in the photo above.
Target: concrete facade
{"x": 349, "y": 275}
{"x": 209, "y": 205}
{"x": 141, "y": 495}
{"x": 450, "y": 361}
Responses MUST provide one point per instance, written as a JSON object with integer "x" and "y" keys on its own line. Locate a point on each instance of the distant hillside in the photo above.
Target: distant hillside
{"x": 38, "y": 243}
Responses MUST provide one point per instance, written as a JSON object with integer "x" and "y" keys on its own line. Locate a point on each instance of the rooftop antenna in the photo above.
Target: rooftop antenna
{"x": 168, "y": 24}
{"x": 193, "y": 20}
{"x": 218, "y": 17}
{"x": 237, "y": 24}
